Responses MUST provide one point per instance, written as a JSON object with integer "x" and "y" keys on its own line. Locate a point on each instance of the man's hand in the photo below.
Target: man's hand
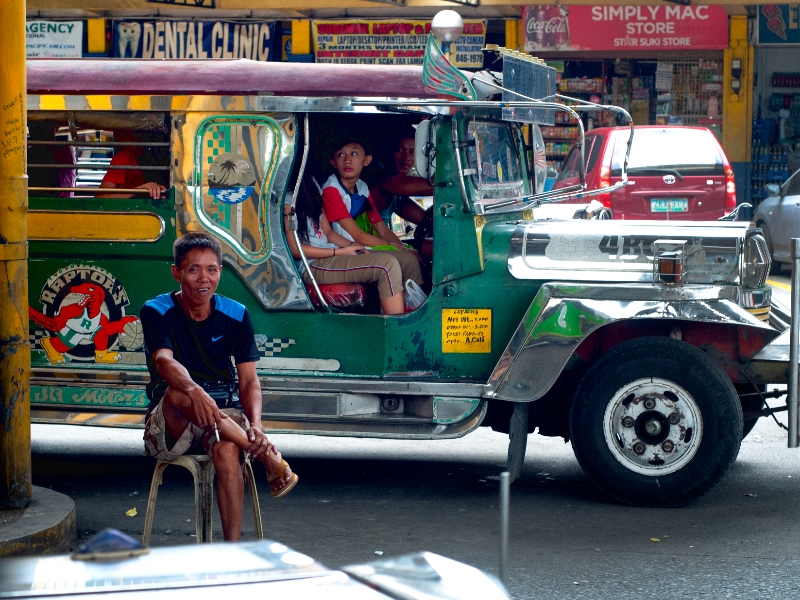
{"x": 205, "y": 409}
{"x": 155, "y": 189}
{"x": 259, "y": 444}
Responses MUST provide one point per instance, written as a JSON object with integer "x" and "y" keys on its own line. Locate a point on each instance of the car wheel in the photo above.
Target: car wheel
{"x": 775, "y": 266}
{"x": 655, "y": 422}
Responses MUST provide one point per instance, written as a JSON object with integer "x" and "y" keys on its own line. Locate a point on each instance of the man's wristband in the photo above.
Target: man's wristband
{"x": 334, "y": 251}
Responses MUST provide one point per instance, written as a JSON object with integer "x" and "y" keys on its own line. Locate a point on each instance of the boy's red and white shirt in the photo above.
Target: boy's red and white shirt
{"x": 336, "y": 204}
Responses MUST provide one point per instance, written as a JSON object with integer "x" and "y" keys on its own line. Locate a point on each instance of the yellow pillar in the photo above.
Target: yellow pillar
{"x": 15, "y": 355}
{"x": 96, "y": 39}
{"x": 514, "y": 39}
{"x": 301, "y": 37}
{"x": 737, "y": 109}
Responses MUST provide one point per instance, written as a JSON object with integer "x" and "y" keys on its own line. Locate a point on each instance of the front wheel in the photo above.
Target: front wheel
{"x": 655, "y": 422}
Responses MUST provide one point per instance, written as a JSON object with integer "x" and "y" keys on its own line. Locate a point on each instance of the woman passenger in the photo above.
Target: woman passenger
{"x": 334, "y": 258}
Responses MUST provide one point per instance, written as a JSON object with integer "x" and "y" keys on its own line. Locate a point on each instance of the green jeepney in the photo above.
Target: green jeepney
{"x": 635, "y": 340}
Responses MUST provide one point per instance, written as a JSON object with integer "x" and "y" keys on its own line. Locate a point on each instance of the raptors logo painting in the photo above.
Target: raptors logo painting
{"x": 83, "y": 315}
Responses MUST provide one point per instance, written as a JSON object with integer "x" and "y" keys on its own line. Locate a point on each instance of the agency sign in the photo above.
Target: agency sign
{"x": 54, "y": 39}
{"x": 391, "y": 42}
{"x": 603, "y": 28}
{"x": 193, "y": 39}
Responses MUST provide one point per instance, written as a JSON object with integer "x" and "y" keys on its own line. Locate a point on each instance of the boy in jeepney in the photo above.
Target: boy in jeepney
{"x": 345, "y": 197}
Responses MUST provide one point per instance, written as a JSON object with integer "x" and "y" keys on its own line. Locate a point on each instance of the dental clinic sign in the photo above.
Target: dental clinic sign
{"x": 193, "y": 39}
{"x": 54, "y": 39}
{"x": 603, "y": 28}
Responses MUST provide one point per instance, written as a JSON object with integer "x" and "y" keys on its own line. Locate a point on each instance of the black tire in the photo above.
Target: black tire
{"x": 775, "y": 266}
{"x": 642, "y": 395}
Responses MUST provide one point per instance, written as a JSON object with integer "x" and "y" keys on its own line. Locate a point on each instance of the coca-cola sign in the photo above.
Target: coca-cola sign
{"x": 667, "y": 27}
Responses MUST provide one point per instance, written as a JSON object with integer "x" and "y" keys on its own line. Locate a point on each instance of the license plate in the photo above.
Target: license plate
{"x": 662, "y": 205}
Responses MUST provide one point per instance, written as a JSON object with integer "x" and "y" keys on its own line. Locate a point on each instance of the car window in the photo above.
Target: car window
{"x": 792, "y": 187}
{"x": 688, "y": 151}
{"x": 570, "y": 168}
{"x": 594, "y": 150}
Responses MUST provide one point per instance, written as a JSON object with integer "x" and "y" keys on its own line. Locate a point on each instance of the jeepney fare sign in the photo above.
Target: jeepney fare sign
{"x": 54, "y": 39}
{"x": 603, "y": 28}
{"x": 467, "y": 330}
{"x": 134, "y": 38}
{"x": 391, "y": 42}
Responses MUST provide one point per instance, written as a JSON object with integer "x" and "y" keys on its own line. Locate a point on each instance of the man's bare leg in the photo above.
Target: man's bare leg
{"x": 230, "y": 430}
{"x": 178, "y": 412}
{"x": 230, "y": 488}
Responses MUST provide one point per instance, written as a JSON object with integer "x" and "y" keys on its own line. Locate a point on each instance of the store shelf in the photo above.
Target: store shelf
{"x": 786, "y": 80}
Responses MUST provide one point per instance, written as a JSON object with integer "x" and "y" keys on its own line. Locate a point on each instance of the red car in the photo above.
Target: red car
{"x": 674, "y": 172}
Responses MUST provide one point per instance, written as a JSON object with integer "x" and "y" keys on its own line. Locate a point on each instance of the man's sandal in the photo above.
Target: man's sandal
{"x": 277, "y": 473}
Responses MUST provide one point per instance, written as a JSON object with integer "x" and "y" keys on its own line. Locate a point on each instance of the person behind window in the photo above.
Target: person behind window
{"x": 129, "y": 178}
{"x": 49, "y": 177}
{"x": 391, "y": 194}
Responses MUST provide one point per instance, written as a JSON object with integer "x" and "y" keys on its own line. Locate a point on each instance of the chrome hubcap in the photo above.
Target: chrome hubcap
{"x": 653, "y": 426}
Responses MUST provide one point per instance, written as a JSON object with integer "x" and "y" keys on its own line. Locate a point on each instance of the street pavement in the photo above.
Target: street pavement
{"x": 357, "y": 497}
{"x": 781, "y": 286}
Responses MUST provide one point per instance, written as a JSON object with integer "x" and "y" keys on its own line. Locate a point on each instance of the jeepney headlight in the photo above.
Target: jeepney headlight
{"x": 756, "y": 262}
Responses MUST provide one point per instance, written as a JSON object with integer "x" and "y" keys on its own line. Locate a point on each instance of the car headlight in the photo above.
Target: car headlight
{"x": 756, "y": 261}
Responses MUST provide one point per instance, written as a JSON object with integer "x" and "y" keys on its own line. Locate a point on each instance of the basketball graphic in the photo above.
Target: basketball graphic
{"x": 132, "y": 336}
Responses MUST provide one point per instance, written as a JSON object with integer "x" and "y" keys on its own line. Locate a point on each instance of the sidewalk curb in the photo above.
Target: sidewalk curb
{"x": 47, "y": 526}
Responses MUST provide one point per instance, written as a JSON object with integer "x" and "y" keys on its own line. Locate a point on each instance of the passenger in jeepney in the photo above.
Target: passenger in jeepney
{"x": 346, "y": 197}
{"x": 392, "y": 193}
{"x": 129, "y": 178}
{"x": 199, "y": 401}
{"x": 49, "y": 177}
{"x": 336, "y": 259}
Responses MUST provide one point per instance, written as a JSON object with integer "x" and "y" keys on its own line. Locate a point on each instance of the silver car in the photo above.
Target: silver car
{"x": 778, "y": 216}
{"x": 263, "y": 569}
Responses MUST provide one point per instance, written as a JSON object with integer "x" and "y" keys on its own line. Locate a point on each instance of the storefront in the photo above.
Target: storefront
{"x": 776, "y": 98}
{"x": 664, "y": 64}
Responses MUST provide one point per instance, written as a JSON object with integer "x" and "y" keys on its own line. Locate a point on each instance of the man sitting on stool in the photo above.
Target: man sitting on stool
{"x": 190, "y": 337}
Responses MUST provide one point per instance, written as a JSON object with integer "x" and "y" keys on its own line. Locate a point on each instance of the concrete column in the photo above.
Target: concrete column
{"x": 15, "y": 355}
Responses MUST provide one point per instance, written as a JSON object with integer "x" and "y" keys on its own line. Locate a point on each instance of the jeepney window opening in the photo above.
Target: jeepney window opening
{"x": 495, "y": 158}
{"x": 378, "y": 132}
{"x": 81, "y": 144}
{"x": 235, "y": 164}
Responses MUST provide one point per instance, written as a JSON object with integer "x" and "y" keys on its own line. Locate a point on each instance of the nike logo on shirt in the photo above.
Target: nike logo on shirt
{"x": 216, "y": 339}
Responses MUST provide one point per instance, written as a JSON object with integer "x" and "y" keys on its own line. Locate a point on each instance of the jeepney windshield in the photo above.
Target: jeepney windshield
{"x": 495, "y": 160}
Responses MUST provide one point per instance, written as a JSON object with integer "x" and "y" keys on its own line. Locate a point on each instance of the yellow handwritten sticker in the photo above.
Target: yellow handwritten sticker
{"x": 467, "y": 330}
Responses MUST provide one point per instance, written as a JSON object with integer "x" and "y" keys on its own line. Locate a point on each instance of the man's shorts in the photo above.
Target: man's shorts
{"x": 158, "y": 443}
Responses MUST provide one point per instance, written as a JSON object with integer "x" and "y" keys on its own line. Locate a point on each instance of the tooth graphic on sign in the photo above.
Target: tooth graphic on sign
{"x": 128, "y": 35}
{"x": 775, "y": 21}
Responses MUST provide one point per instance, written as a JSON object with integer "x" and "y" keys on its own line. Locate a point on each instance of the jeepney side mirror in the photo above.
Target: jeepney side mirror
{"x": 425, "y": 151}
{"x": 773, "y": 189}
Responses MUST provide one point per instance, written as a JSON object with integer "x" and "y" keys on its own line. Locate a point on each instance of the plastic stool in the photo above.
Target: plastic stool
{"x": 202, "y": 469}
